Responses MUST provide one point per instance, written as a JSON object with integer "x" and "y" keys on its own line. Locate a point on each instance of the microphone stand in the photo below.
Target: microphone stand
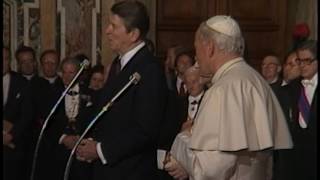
{"x": 133, "y": 79}
{"x": 35, "y": 155}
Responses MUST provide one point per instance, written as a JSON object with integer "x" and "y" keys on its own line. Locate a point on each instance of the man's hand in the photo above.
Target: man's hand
{"x": 69, "y": 141}
{"x": 87, "y": 150}
{"x": 175, "y": 169}
{"x": 187, "y": 125}
{"x": 7, "y": 138}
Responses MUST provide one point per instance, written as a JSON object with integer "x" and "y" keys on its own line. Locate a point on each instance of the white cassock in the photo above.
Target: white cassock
{"x": 238, "y": 124}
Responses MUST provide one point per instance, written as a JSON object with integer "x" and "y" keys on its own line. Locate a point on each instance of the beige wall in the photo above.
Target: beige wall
{"x": 298, "y": 11}
{"x": 302, "y": 11}
{"x": 307, "y": 12}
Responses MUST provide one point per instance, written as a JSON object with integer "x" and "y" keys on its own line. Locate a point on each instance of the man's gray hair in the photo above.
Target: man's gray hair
{"x": 229, "y": 44}
{"x": 71, "y": 60}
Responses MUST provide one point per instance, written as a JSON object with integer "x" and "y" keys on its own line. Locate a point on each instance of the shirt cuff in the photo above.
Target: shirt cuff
{"x": 161, "y": 155}
{"x": 100, "y": 154}
{"x": 61, "y": 138}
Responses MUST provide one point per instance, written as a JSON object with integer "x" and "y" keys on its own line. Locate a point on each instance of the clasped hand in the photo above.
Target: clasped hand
{"x": 7, "y": 138}
{"x": 87, "y": 150}
{"x": 174, "y": 168}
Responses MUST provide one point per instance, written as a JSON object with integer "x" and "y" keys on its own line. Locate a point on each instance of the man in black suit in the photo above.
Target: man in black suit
{"x": 16, "y": 119}
{"x": 169, "y": 65}
{"x": 50, "y": 63}
{"x": 301, "y": 102}
{"x": 271, "y": 71}
{"x": 66, "y": 126}
{"x": 27, "y": 67}
{"x": 125, "y": 137}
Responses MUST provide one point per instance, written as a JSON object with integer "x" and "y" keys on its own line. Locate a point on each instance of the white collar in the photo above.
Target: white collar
{"x": 220, "y": 72}
{"x": 284, "y": 83}
{"x": 75, "y": 87}
{"x": 51, "y": 79}
{"x": 274, "y": 80}
{"x": 124, "y": 59}
{"x": 313, "y": 81}
{"x": 197, "y": 98}
{"x": 29, "y": 77}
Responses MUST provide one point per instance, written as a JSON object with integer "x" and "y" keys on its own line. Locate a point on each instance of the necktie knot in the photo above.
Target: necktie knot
{"x": 118, "y": 65}
{"x": 73, "y": 93}
{"x": 194, "y": 102}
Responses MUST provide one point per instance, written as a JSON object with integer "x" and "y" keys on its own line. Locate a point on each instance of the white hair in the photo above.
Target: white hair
{"x": 229, "y": 44}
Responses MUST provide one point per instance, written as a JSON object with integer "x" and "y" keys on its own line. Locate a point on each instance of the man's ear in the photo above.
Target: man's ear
{"x": 134, "y": 34}
{"x": 210, "y": 48}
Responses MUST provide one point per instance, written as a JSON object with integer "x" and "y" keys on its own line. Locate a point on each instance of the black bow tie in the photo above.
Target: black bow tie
{"x": 72, "y": 93}
{"x": 194, "y": 102}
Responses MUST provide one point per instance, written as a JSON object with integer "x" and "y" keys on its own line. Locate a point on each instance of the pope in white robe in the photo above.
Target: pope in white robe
{"x": 238, "y": 125}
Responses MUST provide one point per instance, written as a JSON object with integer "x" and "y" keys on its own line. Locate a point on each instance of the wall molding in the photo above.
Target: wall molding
{"x": 13, "y": 36}
{"x": 26, "y": 9}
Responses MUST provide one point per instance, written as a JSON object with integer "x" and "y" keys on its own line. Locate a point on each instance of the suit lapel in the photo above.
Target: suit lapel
{"x": 14, "y": 89}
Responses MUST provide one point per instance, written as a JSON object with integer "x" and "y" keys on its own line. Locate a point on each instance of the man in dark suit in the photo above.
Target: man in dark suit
{"x": 27, "y": 67}
{"x": 125, "y": 137}
{"x": 67, "y": 124}
{"x": 177, "y": 105}
{"x": 301, "y": 102}
{"x": 50, "y": 63}
{"x": 183, "y": 61}
{"x": 169, "y": 65}
{"x": 271, "y": 71}
{"x": 16, "y": 119}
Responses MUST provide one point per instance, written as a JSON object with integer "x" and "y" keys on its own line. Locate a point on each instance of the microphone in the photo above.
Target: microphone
{"x": 83, "y": 65}
{"x": 134, "y": 79}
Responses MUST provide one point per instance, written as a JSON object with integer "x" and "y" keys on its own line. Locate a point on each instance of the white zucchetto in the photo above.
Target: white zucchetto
{"x": 225, "y": 25}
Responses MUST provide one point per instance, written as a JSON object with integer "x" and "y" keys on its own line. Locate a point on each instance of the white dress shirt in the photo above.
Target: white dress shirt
{"x": 71, "y": 106}
{"x": 124, "y": 59}
{"x": 192, "y": 108}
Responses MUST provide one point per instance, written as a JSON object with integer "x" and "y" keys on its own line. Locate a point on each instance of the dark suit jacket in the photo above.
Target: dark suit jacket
{"x": 301, "y": 161}
{"x": 180, "y": 103}
{"x": 58, "y": 125}
{"x": 128, "y": 132}
{"x": 276, "y": 87}
{"x": 18, "y": 111}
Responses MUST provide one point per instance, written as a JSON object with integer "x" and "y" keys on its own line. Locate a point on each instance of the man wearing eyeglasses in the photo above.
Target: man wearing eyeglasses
{"x": 301, "y": 161}
{"x": 291, "y": 68}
